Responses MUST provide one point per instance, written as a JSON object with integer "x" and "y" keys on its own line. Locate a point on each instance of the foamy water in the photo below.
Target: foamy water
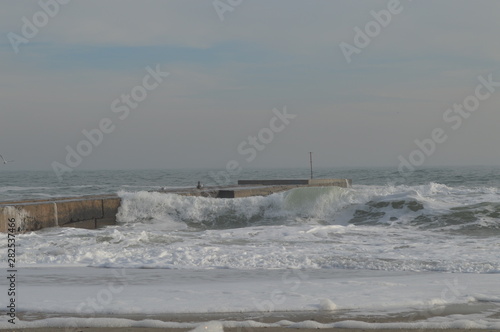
{"x": 364, "y": 227}
{"x": 375, "y": 247}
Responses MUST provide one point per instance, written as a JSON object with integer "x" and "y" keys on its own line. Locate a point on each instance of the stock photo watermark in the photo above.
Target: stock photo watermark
{"x": 449, "y": 294}
{"x": 122, "y": 107}
{"x": 373, "y": 28}
{"x": 104, "y": 297}
{"x": 31, "y": 27}
{"x": 11, "y": 271}
{"x": 453, "y": 117}
{"x": 223, "y": 6}
{"x": 292, "y": 280}
{"x": 251, "y": 146}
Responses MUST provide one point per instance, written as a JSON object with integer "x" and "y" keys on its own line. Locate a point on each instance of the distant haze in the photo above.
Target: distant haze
{"x": 193, "y": 84}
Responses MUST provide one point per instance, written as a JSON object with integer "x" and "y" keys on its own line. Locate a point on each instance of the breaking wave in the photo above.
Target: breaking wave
{"x": 431, "y": 206}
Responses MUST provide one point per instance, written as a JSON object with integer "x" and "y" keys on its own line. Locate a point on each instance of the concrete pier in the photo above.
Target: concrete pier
{"x": 100, "y": 210}
{"x": 82, "y": 212}
{"x": 300, "y": 182}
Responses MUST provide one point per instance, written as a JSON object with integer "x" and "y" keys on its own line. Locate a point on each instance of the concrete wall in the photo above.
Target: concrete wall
{"x": 299, "y": 182}
{"x": 85, "y": 212}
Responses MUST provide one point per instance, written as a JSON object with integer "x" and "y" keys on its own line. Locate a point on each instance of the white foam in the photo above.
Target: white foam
{"x": 292, "y": 251}
{"x": 78, "y": 290}
{"x": 327, "y": 305}
{"x": 452, "y": 322}
{"x": 296, "y": 229}
{"x": 196, "y": 210}
{"x": 213, "y": 326}
{"x": 110, "y": 292}
{"x": 332, "y": 205}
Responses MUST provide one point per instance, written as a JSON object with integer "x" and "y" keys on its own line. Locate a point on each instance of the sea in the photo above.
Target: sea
{"x": 419, "y": 249}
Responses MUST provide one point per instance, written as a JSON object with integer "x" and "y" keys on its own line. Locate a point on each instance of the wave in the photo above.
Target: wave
{"x": 200, "y": 212}
{"x": 296, "y": 205}
{"x": 431, "y": 206}
{"x": 472, "y": 211}
{"x": 404, "y": 228}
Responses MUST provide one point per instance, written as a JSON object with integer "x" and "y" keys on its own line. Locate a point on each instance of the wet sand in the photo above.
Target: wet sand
{"x": 254, "y": 329}
{"x": 199, "y": 321}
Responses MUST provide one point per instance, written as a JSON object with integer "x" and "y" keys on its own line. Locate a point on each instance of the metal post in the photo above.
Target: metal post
{"x": 311, "y": 162}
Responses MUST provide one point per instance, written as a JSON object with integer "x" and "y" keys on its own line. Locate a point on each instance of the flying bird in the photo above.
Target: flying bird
{"x": 5, "y": 161}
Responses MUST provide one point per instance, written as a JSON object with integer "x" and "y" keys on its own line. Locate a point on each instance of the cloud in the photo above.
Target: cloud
{"x": 227, "y": 76}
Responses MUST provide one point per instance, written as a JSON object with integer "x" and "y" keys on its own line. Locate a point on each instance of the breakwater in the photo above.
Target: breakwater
{"x": 83, "y": 212}
{"x": 100, "y": 210}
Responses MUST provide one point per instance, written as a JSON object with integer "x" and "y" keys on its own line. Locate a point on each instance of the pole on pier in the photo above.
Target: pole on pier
{"x": 311, "y": 162}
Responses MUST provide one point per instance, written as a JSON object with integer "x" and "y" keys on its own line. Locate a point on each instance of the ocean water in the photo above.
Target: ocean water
{"x": 427, "y": 241}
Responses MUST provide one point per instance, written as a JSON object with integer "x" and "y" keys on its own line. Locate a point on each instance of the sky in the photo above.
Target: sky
{"x": 150, "y": 84}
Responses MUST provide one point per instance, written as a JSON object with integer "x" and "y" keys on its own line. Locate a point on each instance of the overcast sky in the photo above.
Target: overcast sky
{"x": 359, "y": 99}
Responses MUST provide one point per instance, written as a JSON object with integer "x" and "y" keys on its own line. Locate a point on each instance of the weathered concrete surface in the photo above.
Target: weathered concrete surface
{"x": 82, "y": 212}
{"x": 255, "y": 191}
{"x": 274, "y": 182}
{"x": 263, "y": 188}
{"x": 110, "y": 207}
{"x": 28, "y": 217}
{"x": 78, "y": 210}
{"x": 301, "y": 182}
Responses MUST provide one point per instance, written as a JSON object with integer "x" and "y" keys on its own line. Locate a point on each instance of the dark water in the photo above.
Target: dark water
{"x": 15, "y": 185}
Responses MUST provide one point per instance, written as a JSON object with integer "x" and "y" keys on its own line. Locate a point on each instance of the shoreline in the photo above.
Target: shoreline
{"x": 339, "y": 321}
{"x": 237, "y": 329}
{"x": 273, "y": 317}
